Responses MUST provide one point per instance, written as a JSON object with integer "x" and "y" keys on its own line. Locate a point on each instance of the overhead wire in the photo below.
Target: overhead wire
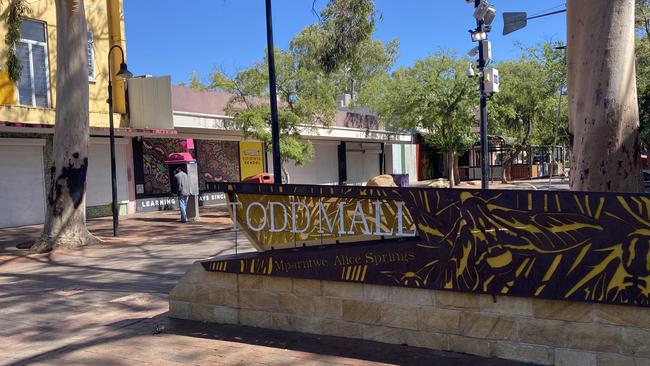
{"x": 563, "y": 5}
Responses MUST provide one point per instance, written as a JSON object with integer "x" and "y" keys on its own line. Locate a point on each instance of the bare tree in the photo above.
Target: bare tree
{"x": 603, "y": 109}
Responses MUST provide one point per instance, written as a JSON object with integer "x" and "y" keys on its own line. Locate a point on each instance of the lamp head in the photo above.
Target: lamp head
{"x": 124, "y": 72}
{"x": 478, "y": 35}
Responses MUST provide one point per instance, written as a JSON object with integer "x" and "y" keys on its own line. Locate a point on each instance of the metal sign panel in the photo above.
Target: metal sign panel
{"x": 577, "y": 246}
{"x": 513, "y": 22}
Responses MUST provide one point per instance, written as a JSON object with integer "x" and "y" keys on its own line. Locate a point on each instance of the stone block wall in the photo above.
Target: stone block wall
{"x": 545, "y": 332}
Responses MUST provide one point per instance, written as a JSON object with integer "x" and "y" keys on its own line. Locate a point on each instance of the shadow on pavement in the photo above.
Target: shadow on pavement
{"x": 327, "y": 345}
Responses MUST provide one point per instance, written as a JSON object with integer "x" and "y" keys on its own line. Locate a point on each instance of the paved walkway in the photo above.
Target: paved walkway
{"x": 107, "y": 304}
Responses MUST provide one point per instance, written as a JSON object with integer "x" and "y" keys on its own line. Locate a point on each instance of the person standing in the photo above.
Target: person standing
{"x": 183, "y": 191}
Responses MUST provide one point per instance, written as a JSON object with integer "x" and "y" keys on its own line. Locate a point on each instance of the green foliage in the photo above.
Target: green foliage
{"x": 320, "y": 64}
{"x": 643, "y": 88}
{"x": 341, "y": 46}
{"x": 306, "y": 100}
{"x": 526, "y": 109}
{"x": 346, "y": 25}
{"x": 434, "y": 97}
{"x": 16, "y": 11}
{"x": 642, "y": 20}
{"x": 643, "y": 67}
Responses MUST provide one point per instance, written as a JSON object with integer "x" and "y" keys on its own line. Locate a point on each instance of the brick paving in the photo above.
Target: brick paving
{"x": 107, "y": 304}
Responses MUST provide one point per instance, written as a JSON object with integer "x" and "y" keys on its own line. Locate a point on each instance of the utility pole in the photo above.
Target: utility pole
{"x": 275, "y": 128}
{"x": 485, "y": 168}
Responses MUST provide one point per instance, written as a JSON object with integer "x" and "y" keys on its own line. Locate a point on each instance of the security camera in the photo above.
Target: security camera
{"x": 470, "y": 71}
{"x": 473, "y": 52}
{"x": 489, "y": 16}
{"x": 481, "y": 10}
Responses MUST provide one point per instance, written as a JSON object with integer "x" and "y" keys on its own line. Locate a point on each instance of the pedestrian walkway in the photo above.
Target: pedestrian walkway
{"x": 107, "y": 304}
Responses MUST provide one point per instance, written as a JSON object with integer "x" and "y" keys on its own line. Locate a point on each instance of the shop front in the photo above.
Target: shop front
{"x": 217, "y": 161}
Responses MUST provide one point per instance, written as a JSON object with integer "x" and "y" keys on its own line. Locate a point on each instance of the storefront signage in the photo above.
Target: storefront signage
{"x": 251, "y": 158}
{"x": 171, "y": 202}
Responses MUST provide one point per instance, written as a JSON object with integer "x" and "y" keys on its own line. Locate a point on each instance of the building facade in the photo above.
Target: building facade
{"x": 353, "y": 150}
{"x": 27, "y": 113}
{"x": 152, "y": 120}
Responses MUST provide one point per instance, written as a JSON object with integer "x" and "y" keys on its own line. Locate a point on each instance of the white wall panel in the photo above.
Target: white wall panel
{"x": 150, "y": 103}
{"x": 362, "y": 165}
{"x": 98, "y": 183}
{"x": 322, "y": 169}
{"x": 22, "y": 196}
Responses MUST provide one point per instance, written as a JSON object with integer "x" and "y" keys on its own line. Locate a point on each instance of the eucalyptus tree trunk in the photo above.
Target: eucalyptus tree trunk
{"x": 506, "y": 167}
{"x": 450, "y": 168}
{"x": 603, "y": 109}
{"x": 65, "y": 220}
{"x": 286, "y": 173}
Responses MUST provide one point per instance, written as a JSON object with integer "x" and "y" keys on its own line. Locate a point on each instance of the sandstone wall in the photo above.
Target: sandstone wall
{"x": 525, "y": 329}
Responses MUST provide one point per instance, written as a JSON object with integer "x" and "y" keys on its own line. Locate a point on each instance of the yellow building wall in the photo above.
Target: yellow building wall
{"x": 97, "y": 23}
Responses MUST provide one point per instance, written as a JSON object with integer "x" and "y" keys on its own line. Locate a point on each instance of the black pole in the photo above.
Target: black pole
{"x": 557, "y": 122}
{"x": 275, "y": 128}
{"x": 111, "y": 128}
{"x": 485, "y": 168}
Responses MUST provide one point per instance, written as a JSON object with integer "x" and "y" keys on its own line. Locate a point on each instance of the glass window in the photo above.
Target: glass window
{"x": 25, "y": 81}
{"x": 31, "y": 49}
{"x": 91, "y": 57}
{"x": 33, "y": 31}
{"x": 39, "y": 55}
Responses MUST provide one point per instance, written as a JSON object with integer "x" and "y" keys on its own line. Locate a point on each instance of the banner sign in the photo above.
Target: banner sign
{"x": 171, "y": 202}
{"x": 577, "y": 246}
{"x": 251, "y": 158}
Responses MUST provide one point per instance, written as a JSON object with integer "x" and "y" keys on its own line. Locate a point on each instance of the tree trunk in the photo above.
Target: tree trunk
{"x": 551, "y": 163}
{"x": 450, "y": 168}
{"x": 456, "y": 169}
{"x": 603, "y": 109}
{"x": 65, "y": 220}
{"x": 286, "y": 173}
{"x": 506, "y": 167}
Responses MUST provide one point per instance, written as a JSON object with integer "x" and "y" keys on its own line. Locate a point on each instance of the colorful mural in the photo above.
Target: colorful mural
{"x": 558, "y": 245}
{"x": 154, "y": 154}
{"x": 218, "y": 161}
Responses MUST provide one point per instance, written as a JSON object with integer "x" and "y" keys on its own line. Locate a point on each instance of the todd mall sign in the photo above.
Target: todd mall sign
{"x": 556, "y": 245}
{"x": 330, "y": 219}
{"x": 441, "y": 251}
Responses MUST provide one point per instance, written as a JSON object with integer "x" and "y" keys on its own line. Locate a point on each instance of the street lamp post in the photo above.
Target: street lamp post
{"x": 275, "y": 128}
{"x": 485, "y": 169}
{"x": 123, "y": 73}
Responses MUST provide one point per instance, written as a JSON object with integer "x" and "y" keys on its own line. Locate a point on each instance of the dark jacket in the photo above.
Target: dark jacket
{"x": 182, "y": 184}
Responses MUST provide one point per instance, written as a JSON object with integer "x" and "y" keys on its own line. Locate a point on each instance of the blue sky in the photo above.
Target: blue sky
{"x": 171, "y": 37}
